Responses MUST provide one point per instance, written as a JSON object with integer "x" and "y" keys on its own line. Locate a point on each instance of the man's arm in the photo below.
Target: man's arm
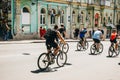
{"x": 60, "y": 37}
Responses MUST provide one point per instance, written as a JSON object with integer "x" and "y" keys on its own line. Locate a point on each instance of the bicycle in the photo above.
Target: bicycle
{"x": 80, "y": 47}
{"x": 112, "y": 52}
{"x": 46, "y": 59}
{"x": 93, "y": 49}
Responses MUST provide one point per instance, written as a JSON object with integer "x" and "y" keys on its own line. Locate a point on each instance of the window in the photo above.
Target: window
{"x": 82, "y": 19}
{"x": 88, "y": 17}
{"x": 42, "y": 16}
{"x": 53, "y": 16}
{"x": 26, "y": 20}
{"x": 73, "y": 16}
{"x": 25, "y": 16}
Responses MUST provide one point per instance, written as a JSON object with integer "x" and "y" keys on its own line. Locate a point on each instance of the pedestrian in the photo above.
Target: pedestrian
{"x": 6, "y": 30}
{"x": 62, "y": 31}
{"x": 41, "y": 32}
{"x": 76, "y": 33}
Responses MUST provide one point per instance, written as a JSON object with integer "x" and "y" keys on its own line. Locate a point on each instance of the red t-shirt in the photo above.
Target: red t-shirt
{"x": 113, "y": 36}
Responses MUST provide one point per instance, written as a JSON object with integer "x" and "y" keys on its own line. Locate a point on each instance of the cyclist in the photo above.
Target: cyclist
{"x": 52, "y": 41}
{"x": 62, "y": 31}
{"x": 96, "y": 38}
{"x": 113, "y": 38}
{"x": 82, "y": 36}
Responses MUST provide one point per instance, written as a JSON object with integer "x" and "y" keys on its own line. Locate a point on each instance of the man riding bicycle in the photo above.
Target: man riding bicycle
{"x": 96, "y": 38}
{"x": 113, "y": 38}
{"x": 82, "y": 36}
{"x": 52, "y": 41}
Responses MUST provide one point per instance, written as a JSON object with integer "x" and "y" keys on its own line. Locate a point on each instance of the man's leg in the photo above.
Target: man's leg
{"x": 98, "y": 45}
{"x": 56, "y": 50}
{"x": 116, "y": 44}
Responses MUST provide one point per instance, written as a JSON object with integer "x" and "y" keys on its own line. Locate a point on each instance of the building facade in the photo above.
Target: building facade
{"x": 27, "y": 16}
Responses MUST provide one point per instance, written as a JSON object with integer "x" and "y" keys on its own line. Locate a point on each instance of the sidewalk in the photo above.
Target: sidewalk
{"x": 37, "y": 41}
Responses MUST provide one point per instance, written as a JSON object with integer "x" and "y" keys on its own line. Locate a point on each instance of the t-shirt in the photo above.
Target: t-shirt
{"x": 50, "y": 35}
{"x": 97, "y": 34}
{"x": 82, "y": 33}
{"x": 113, "y": 36}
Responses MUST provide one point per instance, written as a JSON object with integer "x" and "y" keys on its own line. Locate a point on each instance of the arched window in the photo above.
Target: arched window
{"x": 42, "y": 16}
{"x": 73, "y": 16}
{"x": 25, "y": 16}
{"x": 88, "y": 17}
{"x": 62, "y": 17}
{"x": 53, "y": 16}
{"x": 82, "y": 15}
{"x": 26, "y": 20}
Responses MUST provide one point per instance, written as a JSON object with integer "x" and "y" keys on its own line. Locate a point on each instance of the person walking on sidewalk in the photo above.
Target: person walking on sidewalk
{"x": 6, "y": 30}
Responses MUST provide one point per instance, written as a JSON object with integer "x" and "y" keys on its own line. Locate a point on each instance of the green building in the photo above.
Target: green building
{"x": 27, "y": 16}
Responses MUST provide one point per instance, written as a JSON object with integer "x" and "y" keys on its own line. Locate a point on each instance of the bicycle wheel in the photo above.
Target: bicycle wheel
{"x": 101, "y": 48}
{"x": 65, "y": 47}
{"x": 61, "y": 59}
{"x": 92, "y": 49}
{"x": 112, "y": 52}
{"x": 86, "y": 45}
{"x": 43, "y": 61}
{"x": 79, "y": 46}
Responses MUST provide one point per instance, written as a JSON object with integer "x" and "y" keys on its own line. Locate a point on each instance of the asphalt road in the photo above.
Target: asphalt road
{"x": 19, "y": 62}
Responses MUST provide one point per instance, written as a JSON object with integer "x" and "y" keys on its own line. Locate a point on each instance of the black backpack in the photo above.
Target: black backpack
{"x": 50, "y": 34}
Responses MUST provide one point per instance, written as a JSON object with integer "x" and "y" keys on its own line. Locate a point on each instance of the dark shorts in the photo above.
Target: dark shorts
{"x": 82, "y": 38}
{"x": 96, "y": 40}
{"x": 114, "y": 41}
{"x": 49, "y": 45}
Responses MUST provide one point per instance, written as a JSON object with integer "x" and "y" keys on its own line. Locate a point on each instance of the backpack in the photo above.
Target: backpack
{"x": 50, "y": 34}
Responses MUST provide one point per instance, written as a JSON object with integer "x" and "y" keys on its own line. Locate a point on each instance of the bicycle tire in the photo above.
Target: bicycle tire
{"x": 79, "y": 46}
{"x": 62, "y": 56}
{"x": 65, "y": 47}
{"x": 92, "y": 49}
{"x": 101, "y": 47}
{"x": 86, "y": 45}
{"x": 95, "y": 50}
{"x": 45, "y": 61}
{"x": 112, "y": 52}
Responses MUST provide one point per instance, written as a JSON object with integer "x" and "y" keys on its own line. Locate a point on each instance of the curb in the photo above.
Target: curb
{"x": 37, "y": 41}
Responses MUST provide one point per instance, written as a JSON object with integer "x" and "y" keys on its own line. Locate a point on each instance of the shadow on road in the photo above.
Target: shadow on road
{"x": 92, "y": 54}
{"x": 68, "y": 64}
{"x": 80, "y": 50}
{"x": 44, "y": 71}
{"x": 49, "y": 69}
{"x": 111, "y": 56}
